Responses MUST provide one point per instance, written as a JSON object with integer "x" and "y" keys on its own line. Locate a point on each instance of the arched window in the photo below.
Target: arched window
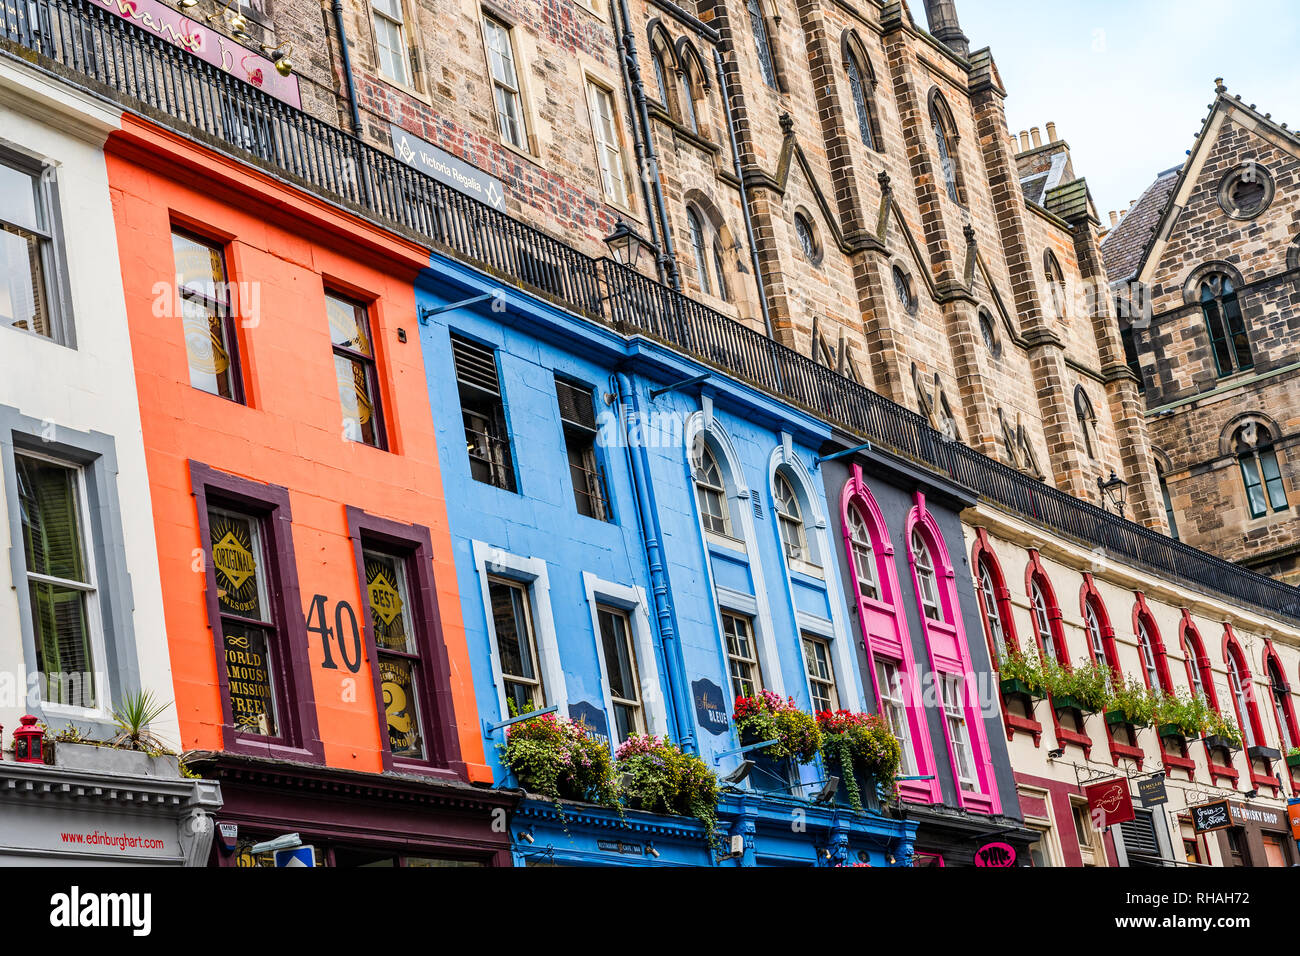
{"x": 946, "y": 145}
{"x": 697, "y": 249}
{"x": 1226, "y": 324}
{"x": 789, "y": 519}
{"x": 1048, "y": 629}
{"x": 1200, "y": 676}
{"x": 711, "y": 492}
{"x": 1055, "y": 278}
{"x": 661, "y": 73}
{"x": 1087, "y": 419}
{"x": 1152, "y": 651}
{"x": 926, "y": 584}
{"x": 807, "y": 236}
{"x": 863, "y": 557}
{"x": 1261, "y": 475}
{"x": 1283, "y": 709}
{"x": 1242, "y": 695}
{"x": 995, "y": 626}
{"x": 861, "y": 87}
{"x": 1043, "y": 622}
{"x": 724, "y": 290}
{"x": 762, "y": 45}
{"x": 690, "y": 119}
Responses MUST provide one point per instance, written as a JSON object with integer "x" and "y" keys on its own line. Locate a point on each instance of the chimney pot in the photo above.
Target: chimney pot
{"x": 1051, "y": 132}
{"x": 1037, "y": 136}
{"x": 1114, "y": 218}
{"x": 1024, "y": 141}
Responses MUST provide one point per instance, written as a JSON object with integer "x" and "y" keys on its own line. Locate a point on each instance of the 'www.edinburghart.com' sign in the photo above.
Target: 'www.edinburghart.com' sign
{"x": 178, "y": 29}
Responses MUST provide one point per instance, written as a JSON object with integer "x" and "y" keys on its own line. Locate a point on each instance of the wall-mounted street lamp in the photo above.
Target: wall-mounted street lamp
{"x": 1115, "y": 490}
{"x": 626, "y": 245}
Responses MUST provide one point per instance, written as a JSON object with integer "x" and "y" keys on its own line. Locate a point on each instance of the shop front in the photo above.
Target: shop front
{"x": 1260, "y": 835}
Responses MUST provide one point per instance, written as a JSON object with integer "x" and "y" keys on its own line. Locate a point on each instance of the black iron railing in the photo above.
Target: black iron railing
{"x": 174, "y": 85}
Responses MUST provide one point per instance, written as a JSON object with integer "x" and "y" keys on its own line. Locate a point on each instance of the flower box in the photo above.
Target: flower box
{"x": 1117, "y": 718}
{"x": 106, "y": 759}
{"x": 1214, "y": 741}
{"x": 1171, "y": 730}
{"x": 1263, "y": 753}
{"x": 1066, "y": 702}
{"x": 1293, "y": 760}
{"x": 1012, "y": 687}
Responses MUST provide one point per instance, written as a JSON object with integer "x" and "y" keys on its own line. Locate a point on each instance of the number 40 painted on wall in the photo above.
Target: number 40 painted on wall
{"x": 342, "y": 609}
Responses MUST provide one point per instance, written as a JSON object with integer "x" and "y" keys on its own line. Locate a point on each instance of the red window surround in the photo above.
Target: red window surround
{"x": 1201, "y": 674}
{"x": 950, "y": 654}
{"x": 1152, "y": 653}
{"x": 1239, "y": 679}
{"x": 1283, "y": 709}
{"x": 982, "y": 556}
{"x": 299, "y": 737}
{"x": 412, "y": 545}
{"x": 1036, "y": 579}
{"x": 884, "y": 631}
{"x": 1090, "y": 600}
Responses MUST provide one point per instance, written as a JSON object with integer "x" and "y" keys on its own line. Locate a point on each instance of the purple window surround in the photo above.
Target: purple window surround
{"x": 950, "y": 654}
{"x": 299, "y": 737}
{"x": 412, "y": 544}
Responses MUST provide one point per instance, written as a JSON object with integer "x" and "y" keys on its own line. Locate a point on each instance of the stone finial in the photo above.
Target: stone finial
{"x": 883, "y": 179}
{"x": 787, "y": 123}
{"x": 969, "y": 232}
{"x": 1218, "y": 85}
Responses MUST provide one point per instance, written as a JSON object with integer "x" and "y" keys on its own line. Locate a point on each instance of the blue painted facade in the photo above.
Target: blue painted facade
{"x": 679, "y": 575}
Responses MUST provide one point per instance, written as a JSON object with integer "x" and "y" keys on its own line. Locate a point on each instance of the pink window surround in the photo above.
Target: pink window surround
{"x": 1036, "y": 578}
{"x": 1090, "y": 598}
{"x": 884, "y": 631}
{"x": 1239, "y": 671}
{"x": 982, "y": 556}
{"x": 950, "y": 654}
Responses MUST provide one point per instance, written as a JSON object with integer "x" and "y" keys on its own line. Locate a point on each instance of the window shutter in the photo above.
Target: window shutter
{"x": 1140, "y": 839}
{"x": 577, "y": 406}
{"x": 476, "y": 365}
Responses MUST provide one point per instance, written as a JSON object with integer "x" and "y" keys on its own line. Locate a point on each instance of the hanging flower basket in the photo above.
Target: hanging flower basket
{"x": 863, "y": 752}
{"x": 768, "y": 716}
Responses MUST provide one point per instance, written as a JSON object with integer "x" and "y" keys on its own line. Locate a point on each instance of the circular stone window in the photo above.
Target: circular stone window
{"x": 803, "y": 230}
{"x": 903, "y": 288}
{"x": 1246, "y": 191}
{"x": 989, "y": 333}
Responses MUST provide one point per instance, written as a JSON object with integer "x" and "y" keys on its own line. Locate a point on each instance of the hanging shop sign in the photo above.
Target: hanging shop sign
{"x": 1151, "y": 790}
{"x": 1208, "y": 817}
{"x": 447, "y": 169}
{"x": 1293, "y": 812}
{"x": 996, "y": 854}
{"x": 175, "y": 28}
{"x": 710, "y": 710}
{"x": 1109, "y": 802}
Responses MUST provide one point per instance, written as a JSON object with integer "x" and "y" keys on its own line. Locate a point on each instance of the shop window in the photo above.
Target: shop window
{"x": 821, "y": 673}
{"x": 31, "y": 295}
{"x": 578, "y": 419}
{"x": 483, "y": 410}
{"x": 742, "y": 654}
{"x": 516, "y": 644}
{"x": 58, "y": 557}
{"x": 211, "y": 340}
{"x": 619, "y": 659}
{"x": 355, "y": 371}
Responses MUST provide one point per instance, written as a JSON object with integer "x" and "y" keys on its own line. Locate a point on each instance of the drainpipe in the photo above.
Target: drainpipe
{"x": 347, "y": 69}
{"x": 679, "y": 693}
{"x": 744, "y": 193}
{"x": 639, "y": 138}
{"x": 667, "y": 256}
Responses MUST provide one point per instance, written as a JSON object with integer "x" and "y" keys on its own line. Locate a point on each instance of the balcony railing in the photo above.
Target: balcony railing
{"x": 177, "y": 87}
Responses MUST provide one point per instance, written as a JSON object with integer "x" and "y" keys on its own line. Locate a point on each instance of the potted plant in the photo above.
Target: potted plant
{"x": 559, "y": 759}
{"x": 1085, "y": 687}
{"x": 863, "y": 752}
{"x": 768, "y": 716}
{"x": 1181, "y": 716}
{"x": 1293, "y": 757}
{"x": 1222, "y": 732}
{"x": 1022, "y": 675}
{"x": 134, "y": 749}
{"x": 1130, "y": 703}
{"x": 657, "y": 777}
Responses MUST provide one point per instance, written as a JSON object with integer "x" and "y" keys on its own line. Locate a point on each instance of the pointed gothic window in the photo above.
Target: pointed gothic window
{"x": 1226, "y": 324}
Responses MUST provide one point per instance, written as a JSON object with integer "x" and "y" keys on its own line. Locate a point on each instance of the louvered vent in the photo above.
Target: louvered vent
{"x": 758, "y": 506}
{"x": 577, "y": 407}
{"x": 476, "y": 365}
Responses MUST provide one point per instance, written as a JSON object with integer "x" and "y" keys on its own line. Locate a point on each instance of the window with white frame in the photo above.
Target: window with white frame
{"x": 864, "y": 556}
{"x": 1238, "y": 685}
{"x": 893, "y": 708}
{"x": 1148, "y": 655}
{"x": 821, "y": 674}
{"x": 710, "y": 492}
{"x": 1093, "y": 625}
{"x": 926, "y": 582}
{"x": 390, "y": 40}
{"x": 621, "y": 672}
{"x": 954, "y": 712}
{"x": 60, "y": 580}
{"x": 742, "y": 654}
{"x": 1280, "y": 696}
{"x": 790, "y": 520}
{"x": 506, "y": 93}
{"x": 992, "y": 609}
{"x": 512, "y": 623}
{"x": 609, "y": 151}
{"x": 1042, "y": 622}
{"x": 29, "y": 293}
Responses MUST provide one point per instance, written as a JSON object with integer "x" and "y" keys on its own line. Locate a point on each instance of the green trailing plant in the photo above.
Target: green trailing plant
{"x": 1293, "y": 752}
{"x": 133, "y": 717}
{"x": 1134, "y": 701}
{"x": 1188, "y": 714}
{"x": 559, "y": 759}
{"x": 1087, "y": 683}
{"x": 1027, "y": 669}
{"x": 657, "y": 777}
{"x": 768, "y": 716}
{"x": 860, "y": 745}
{"x": 1224, "y": 727}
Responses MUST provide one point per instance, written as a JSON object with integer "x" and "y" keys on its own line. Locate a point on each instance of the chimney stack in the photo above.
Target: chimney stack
{"x": 1114, "y": 219}
{"x": 1051, "y": 133}
{"x": 942, "y": 17}
{"x": 1036, "y": 136}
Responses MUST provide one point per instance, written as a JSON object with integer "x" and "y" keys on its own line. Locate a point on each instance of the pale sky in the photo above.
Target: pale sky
{"x": 1128, "y": 82}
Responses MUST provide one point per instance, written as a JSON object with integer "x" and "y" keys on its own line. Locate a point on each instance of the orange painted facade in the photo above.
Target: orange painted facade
{"x": 289, "y": 433}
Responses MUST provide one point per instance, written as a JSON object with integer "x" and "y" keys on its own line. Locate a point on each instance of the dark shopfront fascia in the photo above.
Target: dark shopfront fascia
{"x": 353, "y": 818}
{"x": 949, "y": 837}
{"x": 1260, "y": 836}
